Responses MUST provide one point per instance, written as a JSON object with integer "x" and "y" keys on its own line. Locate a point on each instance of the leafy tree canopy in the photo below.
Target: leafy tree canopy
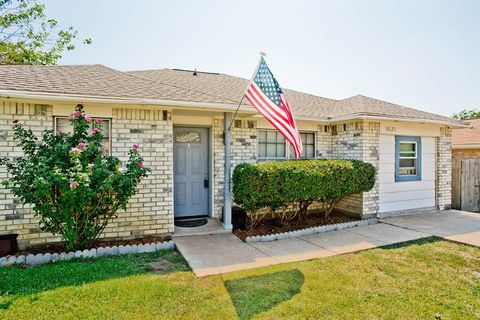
{"x": 467, "y": 114}
{"x": 28, "y": 36}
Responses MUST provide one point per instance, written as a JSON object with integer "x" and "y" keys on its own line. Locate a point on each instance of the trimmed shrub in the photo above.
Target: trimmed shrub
{"x": 280, "y": 185}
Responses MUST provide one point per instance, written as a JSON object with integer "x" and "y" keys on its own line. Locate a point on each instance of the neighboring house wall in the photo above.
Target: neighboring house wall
{"x": 465, "y": 153}
{"x": 149, "y": 212}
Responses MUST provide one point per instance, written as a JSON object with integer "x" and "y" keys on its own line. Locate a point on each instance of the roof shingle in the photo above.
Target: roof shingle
{"x": 182, "y": 85}
{"x": 467, "y": 136}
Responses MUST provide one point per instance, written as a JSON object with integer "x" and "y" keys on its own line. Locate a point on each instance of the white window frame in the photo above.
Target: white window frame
{"x": 314, "y": 145}
{"x": 288, "y": 154}
{"x": 417, "y": 141}
{"x": 270, "y": 158}
{"x": 415, "y": 157}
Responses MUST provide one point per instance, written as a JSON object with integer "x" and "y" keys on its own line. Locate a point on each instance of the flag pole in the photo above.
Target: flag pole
{"x": 227, "y": 195}
{"x": 262, "y": 55}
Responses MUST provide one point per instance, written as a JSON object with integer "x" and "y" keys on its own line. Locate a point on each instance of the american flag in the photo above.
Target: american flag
{"x": 265, "y": 94}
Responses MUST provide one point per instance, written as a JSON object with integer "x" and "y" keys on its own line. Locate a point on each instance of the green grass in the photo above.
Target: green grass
{"x": 419, "y": 280}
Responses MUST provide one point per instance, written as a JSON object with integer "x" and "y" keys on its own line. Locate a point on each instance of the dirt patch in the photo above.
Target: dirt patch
{"x": 60, "y": 247}
{"x": 160, "y": 266}
{"x": 313, "y": 220}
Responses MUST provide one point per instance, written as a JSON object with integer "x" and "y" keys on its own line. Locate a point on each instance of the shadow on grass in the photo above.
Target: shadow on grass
{"x": 430, "y": 239}
{"x": 16, "y": 281}
{"x": 253, "y": 295}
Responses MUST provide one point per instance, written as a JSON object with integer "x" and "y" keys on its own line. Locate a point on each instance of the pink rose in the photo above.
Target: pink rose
{"x": 78, "y": 114}
{"x": 136, "y": 146}
{"x": 140, "y": 164}
{"x": 71, "y": 117}
{"x": 99, "y": 120}
{"x": 95, "y": 130}
{"x": 88, "y": 118}
{"x": 73, "y": 185}
{"x": 102, "y": 149}
{"x": 82, "y": 145}
{"x": 76, "y": 150}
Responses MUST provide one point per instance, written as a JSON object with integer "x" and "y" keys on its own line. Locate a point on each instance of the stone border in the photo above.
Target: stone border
{"x": 309, "y": 231}
{"x": 39, "y": 259}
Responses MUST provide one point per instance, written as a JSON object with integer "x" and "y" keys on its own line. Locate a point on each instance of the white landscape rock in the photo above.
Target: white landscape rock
{"x": 20, "y": 259}
{"x": 29, "y": 259}
{"x": 55, "y": 257}
{"x": 148, "y": 248}
{"x": 39, "y": 258}
{"x": 11, "y": 260}
{"x": 47, "y": 257}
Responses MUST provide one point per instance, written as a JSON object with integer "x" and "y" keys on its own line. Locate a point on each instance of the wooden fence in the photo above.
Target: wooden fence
{"x": 466, "y": 185}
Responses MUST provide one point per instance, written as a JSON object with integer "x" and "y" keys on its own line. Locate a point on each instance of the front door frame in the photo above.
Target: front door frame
{"x": 211, "y": 211}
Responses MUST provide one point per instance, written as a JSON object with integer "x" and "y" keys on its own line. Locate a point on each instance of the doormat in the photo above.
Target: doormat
{"x": 190, "y": 223}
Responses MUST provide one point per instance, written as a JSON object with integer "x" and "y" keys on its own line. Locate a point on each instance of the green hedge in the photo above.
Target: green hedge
{"x": 275, "y": 185}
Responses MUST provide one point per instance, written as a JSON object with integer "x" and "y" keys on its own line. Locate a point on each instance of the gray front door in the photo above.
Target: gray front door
{"x": 190, "y": 167}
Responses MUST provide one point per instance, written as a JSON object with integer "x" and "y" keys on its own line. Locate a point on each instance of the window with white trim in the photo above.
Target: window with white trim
{"x": 407, "y": 158}
{"x": 62, "y": 124}
{"x": 271, "y": 145}
{"x": 308, "y": 146}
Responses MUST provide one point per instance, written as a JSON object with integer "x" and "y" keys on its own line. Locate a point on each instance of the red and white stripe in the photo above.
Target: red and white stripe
{"x": 279, "y": 117}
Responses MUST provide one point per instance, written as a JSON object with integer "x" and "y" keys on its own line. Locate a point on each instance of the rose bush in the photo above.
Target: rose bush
{"x": 72, "y": 184}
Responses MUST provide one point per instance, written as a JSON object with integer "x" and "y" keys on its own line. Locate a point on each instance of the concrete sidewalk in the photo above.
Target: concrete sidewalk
{"x": 221, "y": 253}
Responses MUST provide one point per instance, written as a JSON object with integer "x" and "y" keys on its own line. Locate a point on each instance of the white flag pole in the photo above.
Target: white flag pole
{"x": 262, "y": 55}
{"x": 227, "y": 194}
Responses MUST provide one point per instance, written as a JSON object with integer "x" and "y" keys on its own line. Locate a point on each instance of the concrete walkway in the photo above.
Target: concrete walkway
{"x": 221, "y": 253}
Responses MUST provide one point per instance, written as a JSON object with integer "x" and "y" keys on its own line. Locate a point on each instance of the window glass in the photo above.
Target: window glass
{"x": 407, "y": 158}
{"x": 271, "y": 144}
{"x": 308, "y": 144}
{"x": 62, "y": 124}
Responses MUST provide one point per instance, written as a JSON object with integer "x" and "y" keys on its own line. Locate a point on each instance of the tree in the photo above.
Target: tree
{"x": 71, "y": 182}
{"x": 467, "y": 114}
{"x": 28, "y": 36}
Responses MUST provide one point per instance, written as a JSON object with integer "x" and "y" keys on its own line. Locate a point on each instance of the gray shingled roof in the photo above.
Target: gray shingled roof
{"x": 93, "y": 81}
{"x": 181, "y": 85}
{"x": 303, "y": 104}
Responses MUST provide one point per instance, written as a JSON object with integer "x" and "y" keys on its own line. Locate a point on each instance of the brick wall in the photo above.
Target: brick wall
{"x": 358, "y": 140}
{"x": 244, "y": 149}
{"x": 15, "y": 217}
{"x": 444, "y": 169}
{"x": 149, "y": 212}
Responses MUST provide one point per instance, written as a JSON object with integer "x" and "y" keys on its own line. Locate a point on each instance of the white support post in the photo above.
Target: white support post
{"x": 227, "y": 196}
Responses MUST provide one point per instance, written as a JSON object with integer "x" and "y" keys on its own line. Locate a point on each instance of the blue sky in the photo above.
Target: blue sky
{"x": 423, "y": 54}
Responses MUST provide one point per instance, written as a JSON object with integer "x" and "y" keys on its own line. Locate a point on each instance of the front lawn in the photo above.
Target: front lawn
{"x": 421, "y": 280}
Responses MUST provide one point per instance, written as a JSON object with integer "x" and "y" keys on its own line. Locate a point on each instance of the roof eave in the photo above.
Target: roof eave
{"x": 61, "y": 97}
{"x": 411, "y": 120}
{"x": 466, "y": 146}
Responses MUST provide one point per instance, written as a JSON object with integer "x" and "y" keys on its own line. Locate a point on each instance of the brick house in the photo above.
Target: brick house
{"x": 466, "y": 141}
{"x": 179, "y": 117}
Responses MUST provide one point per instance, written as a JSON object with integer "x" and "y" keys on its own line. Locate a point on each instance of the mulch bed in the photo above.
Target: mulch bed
{"x": 267, "y": 227}
{"x": 59, "y": 247}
